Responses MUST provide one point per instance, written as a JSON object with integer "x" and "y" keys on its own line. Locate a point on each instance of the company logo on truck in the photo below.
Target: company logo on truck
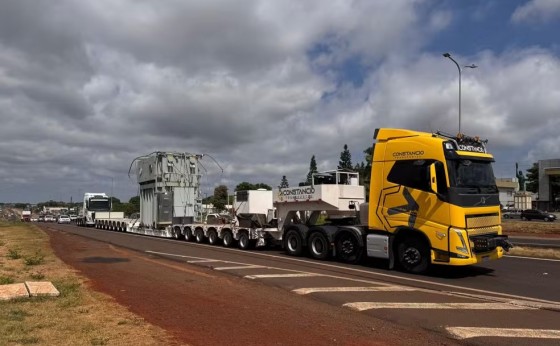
{"x": 407, "y": 154}
{"x": 473, "y": 148}
{"x": 295, "y": 194}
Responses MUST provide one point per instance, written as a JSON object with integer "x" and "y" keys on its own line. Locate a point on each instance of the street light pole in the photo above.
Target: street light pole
{"x": 447, "y": 55}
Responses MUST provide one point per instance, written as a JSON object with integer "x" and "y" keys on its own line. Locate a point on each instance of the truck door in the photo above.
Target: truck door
{"x": 409, "y": 199}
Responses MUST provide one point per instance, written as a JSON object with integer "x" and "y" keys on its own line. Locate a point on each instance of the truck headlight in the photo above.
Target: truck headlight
{"x": 461, "y": 235}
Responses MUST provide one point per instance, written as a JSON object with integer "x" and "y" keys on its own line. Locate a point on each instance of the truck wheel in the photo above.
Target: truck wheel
{"x": 348, "y": 249}
{"x": 293, "y": 244}
{"x": 228, "y": 239}
{"x": 213, "y": 237}
{"x": 188, "y": 234}
{"x": 244, "y": 241}
{"x": 318, "y": 246}
{"x": 414, "y": 255}
{"x": 199, "y": 234}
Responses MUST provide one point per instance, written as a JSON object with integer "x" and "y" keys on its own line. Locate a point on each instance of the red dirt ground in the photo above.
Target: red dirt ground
{"x": 202, "y": 307}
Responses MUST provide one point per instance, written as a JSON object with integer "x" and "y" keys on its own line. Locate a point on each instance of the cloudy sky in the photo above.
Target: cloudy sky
{"x": 261, "y": 85}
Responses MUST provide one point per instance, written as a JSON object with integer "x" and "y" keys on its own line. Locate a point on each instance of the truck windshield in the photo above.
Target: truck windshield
{"x": 472, "y": 176}
{"x": 99, "y": 205}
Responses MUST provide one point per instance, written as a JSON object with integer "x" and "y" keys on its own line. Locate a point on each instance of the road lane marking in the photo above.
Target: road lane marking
{"x": 204, "y": 261}
{"x": 361, "y": 306}
{"x": 239, "y": 267}
{"x": 303, "y": 291}
{"x": 531, "y": 302}
{"x": 474, "y": 332}
{"x": 533, "y": 258}
{"x": 273, "y": 276}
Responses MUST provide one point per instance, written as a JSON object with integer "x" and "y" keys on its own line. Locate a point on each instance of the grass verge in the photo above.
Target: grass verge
{"x": 78, "y": 317}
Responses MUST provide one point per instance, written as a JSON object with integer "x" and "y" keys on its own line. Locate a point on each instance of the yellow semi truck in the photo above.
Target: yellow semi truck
{"x": 432, "y": 199}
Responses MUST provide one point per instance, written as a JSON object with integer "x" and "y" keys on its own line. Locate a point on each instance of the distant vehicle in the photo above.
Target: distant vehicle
{"x": 26, "y": 215}
{"x": 34, "y": 219}
{"x": 73, "y": 217}
{"x": 534, "y": 214}
{"x": 49, "y": 218}
{"x": 41, "y": 218}
{"x": 511, "y": 214}
{"x": 64, "y": 219}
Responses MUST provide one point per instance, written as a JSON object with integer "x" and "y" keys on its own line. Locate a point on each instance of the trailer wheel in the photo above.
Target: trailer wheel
{"x": 413, "y": 255}
{"x": 213, "y": 237}
{"x": 228, "y": 239}
{"x": 293, "y": 244}
{"x": 199, "y": 234}
{"x": 348, "y": 249}
{"x": 318, "y": 246}
{"x": 188, "y": 234}
{"x": 244, "y": 241}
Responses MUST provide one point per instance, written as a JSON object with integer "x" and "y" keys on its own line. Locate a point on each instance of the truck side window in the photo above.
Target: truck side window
{"x": 411, "y": 173}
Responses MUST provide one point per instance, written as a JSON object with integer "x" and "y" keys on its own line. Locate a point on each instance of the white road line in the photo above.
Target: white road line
{"x": 361, "y": 306}
{"x": 272, "y": 276}
{"x": 474, "y": 332}
{"x": 239, "y": 267}
{"x": 533, "y": 258}
{"x": 203, "y": 261}
{"x": 174, "y": 255}
{"x": 303, "y": 291}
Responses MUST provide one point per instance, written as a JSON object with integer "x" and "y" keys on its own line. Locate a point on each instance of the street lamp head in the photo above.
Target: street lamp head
{"x": 447, "y": 55}
{"x": 471, "y": 66}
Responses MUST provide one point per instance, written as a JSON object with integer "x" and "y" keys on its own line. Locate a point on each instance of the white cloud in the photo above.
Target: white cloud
{"x": 256, "y": 84}
{"x": 537, "y": 11}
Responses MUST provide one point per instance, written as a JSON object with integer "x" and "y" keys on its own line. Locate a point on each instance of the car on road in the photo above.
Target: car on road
{"x": 63, "y": 219}
{"x": 534, "y": 214}
{"x": 41, "y": 219}
{"x": 73, "y": 217}
{"x": 511, "y": 214}
{"x": 49, "y": 218}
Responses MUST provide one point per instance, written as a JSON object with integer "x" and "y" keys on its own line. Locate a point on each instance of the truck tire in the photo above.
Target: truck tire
{"x": 228, "y": 240}
{"x": 213, "y": 237}
{"x": 244, "y": 241}
{"x": 318, "y": 246}
{"x": 199, "y": 235}
{"x": 413, "y": 254}
{"x": 293, "y": 243}
{"x": 348, "y": 248}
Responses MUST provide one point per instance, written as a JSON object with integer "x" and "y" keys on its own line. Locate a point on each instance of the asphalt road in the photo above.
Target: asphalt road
{"x": 511, "y": 300}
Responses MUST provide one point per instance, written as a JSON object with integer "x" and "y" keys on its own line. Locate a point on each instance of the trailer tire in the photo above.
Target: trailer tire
{"x": 413, "y": 254}
{"x": 228, "y": 240}
{"x": 188, "y": 234}
{"x": 293, "y": 243}
{"x": 244, "y": 241}
{"x": 318, "y": 246}
{"x": 199, "y": 235}
{"x": 348, "y": 248}
{"x": 213, "y": 237}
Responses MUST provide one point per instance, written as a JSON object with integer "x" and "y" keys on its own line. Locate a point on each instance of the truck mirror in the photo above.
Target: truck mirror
{"x": 433, "y": 179}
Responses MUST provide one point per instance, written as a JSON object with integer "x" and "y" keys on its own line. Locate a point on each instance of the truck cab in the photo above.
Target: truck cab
{"x": 435, "y": 198}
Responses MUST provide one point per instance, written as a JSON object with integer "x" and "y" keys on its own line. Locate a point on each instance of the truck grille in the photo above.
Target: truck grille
{"x": 479, "y": 221}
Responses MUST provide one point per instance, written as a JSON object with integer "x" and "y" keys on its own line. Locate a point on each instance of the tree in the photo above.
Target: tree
{"x": 135, "y": 201}
{"x": 533, "y": 178}
{"x": 345, "y": 159}
{"x": 245, "y": 186}
{"x": 312, "y": 169}
{"x": 220, "y": 197}
{"x": 284, "y": 183}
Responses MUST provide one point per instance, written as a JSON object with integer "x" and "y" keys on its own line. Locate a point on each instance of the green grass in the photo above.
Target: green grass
{"x": 13, "y": 254}
{"x": 36, "y": 259}
{"x": 6, "y": 280}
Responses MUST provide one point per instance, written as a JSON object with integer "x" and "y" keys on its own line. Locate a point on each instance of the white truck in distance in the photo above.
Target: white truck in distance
{"x": 97, "y": 206}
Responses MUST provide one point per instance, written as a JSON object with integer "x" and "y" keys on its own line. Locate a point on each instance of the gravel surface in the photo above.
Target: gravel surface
{"x": 198, "y": 306}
